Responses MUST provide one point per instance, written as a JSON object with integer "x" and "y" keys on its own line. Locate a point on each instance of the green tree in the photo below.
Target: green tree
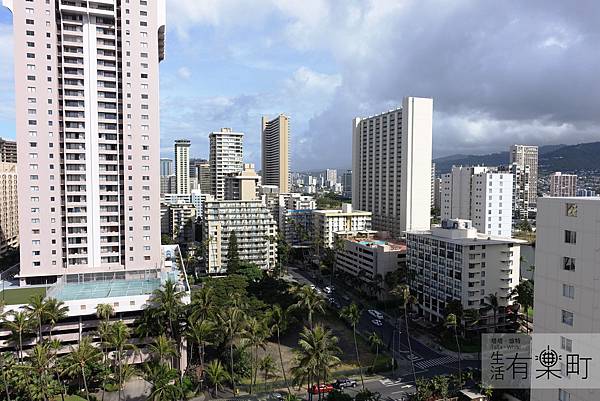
{"x": 105, "y": 311}
{"x": 7, "y": 365}
{"x": 80, "y": 358}
{"x": 232, "y": 322}
{"x": 267, "y": 366}
{"x": 168, "y": 307}
{"x": 254, "y": 337}
{"x": 166, "y": 240}
{"x": 119, "y": 340}
{"x": 375, "y": 341}
{"x": 19, "y": 325}
{"x": 493, "y": 304}
{"x": 406, "y": 299}
{"x": 216, "y": 375}
{"x": 523, "y": 294}
{"x": 452, "y": 323}
{"x": 352, "y": 314}
{"x": 279, "y": 319}
{"x": 201, "y": 333}
{"x": 203, "y": 303}
{"x": 163, "y": 350}
{"x": 308, "y": 301}
{"x": 55, "y": 312}
{"x": 36, "y": 309}
{"x": 233, "y": 256}
{"x": 163, "y": 382}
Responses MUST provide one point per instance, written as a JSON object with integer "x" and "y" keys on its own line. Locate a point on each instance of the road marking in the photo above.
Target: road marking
{"x": 436, "y": 362}
{"x": 391, "y": 383}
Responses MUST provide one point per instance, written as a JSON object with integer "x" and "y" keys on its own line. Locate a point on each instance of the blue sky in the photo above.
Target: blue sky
{"x": 499, "y": 72}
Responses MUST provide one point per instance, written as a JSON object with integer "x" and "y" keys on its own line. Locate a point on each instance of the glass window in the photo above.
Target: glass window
{"x": 567, "y": 318}
{"x": 570, "y": 237}
{"x": 568, "y": 291}
{"x": 571, "y": 209}
{"x": 568, "y": 263}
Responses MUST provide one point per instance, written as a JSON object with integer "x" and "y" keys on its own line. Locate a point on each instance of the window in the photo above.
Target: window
{"x": 563, "y": 395}
{"x": 566, "y": 344}
{"x": 567, "y": 318}
{"x": 568, "y": 291}
{"x": 570, "y": 237}
{"x": 568, "y": 263}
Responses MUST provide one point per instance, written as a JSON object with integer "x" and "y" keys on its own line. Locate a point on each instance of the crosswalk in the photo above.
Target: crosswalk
{"x": 436, "y": 362}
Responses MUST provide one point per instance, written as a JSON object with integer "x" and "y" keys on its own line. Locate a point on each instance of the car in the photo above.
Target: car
{"x": 344, "y": 383}
{"x": 377, "y": 322}
{"x": 323, "y": 388}
{"x": 376, "y": 314}
{"x": 275, "y": 397}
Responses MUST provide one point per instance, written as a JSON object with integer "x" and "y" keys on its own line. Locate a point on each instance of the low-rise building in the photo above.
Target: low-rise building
{"x": 327, "y": 222}
{"x": 453, "y": 262}
{"x": 243, "y": 184}
{"x": 9, "y": 216}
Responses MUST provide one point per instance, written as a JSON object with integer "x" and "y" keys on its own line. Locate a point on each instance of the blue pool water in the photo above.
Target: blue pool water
{"x": 105, "y": 289}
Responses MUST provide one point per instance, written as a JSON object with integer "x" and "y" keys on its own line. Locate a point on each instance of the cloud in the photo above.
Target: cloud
{"x": 184, "y": 73}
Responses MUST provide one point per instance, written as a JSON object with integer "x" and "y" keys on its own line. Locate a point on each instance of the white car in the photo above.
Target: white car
{"x": 376, "y": 314}
{"x": 377, "y": 322}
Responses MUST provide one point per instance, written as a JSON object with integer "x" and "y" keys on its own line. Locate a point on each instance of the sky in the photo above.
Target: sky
{"x": 500, "y": 72}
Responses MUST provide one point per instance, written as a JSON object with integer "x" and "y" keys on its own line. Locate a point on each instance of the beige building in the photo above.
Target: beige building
{"x": 276, "y": 152}
{"x": 391, "y": 166}
{"x": 226, "y": 157}
{"x": 523, "y": 156}
{"x": 8, "y": 151}
{"x": 242, "y": 185}
{"x": 87, "y": 124}
{"x": 328, "y": 222}
{"x": 9, "y": 217}
{"x": 178, "y": 221}
{"x": 564, "y": 185}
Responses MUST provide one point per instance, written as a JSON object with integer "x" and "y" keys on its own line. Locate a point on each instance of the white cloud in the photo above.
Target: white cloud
{"x": 184, "y": 73}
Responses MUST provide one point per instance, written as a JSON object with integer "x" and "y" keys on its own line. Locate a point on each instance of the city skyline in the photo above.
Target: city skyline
{"x": 319, "y": 83}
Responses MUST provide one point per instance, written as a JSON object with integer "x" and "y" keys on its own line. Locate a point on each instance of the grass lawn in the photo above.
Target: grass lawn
{"x": 70, "y": 398}
{"x": 17, "y": 296}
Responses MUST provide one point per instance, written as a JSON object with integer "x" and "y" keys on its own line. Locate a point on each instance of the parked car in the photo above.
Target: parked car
{"x": 376, "y": 314}
{"x": 377, "y": 322}
{"x": 344, "y": 383}
{"x": 323, "y": 388}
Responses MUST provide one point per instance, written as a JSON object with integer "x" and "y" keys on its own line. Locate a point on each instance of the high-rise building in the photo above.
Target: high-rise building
{"x": 391, "y": 166}
{"x": 87, "y": 122}
{"x": 437, "y": 194}
{"x": 182, "y": 166}
{"x": 8, "y": 151}
{"x": 276, "y": 152}
{"x": 566, "y": 290}
{"x": 471, "y": 266}
{"x": 331, "y": 175}
{"x": 526, "y": 155}
{"x": 479, "y": 194}
{"x": 168, "y": 184}
{"x": 226, "y": 157}
{"x": 563, "y": 184}
{"x": 432, "y": 185}
{"x": 521, "y": 181}
{"x": 347, "y": 184}
{"x": 166, "y": 166}
{"x": 9, "y": 213}
{"x": 204, "y": 177}
{"x": 328, "y": 223}
{"x": 242, "y": 185}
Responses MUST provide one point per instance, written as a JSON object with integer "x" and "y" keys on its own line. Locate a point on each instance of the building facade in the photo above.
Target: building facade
{"x": 242, "y": 185}
{"x": 456, "y": 263}
{"x": 8, "y": 151}
{"x": 328, "y": 222}
{"x": 563, "y": 185}
{"x": 9, "y": 212}
{"x": 182, "y": 166}
{"x": 276, "y": 152}
{"x": 521, "y": 182}
{"x": 479, "y": 194}
{"x": 295, "y": 215}
{"x": 178, "y": 221}
{"x": 226, "y": 157}
{"x": 166, "y": 166}
{"x": 89, "y": 171}
{"x": 391, "y": 166}
{"x": 566, "y": 285}
{"x": 523, "y": 156}
{"x": 347, "y": 184}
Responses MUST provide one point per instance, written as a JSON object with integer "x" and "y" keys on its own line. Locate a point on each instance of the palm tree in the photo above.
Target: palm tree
{"x": 39, "y": 364}
{"x": 163, "y": 350}
{"x": 309, "y": 301}
{"x": 352, "y": 314}
{"x": 317, "y": 355}
{"x": 403, "y": 291}
{"x": 452, "y": 322}
{"x": 278, "y": 319}
{"x": 119, "y": 340}
{"x": 254, "y": 336}
{"x": 163, "y": 379}
{"x": 493, "y": 303}
{"x": 104, "y": 332}
{"x": 37, "y": 310}
{"x": 105, "y": 311}
{"x": 79, "y": 359}
{"x": 216, "y": 374}
{"x": 169, "y": 305}
{"x": 200, "y": 332}
{"x": 375, "y": 341}
{"x": 267, "y": 365}
{"x": 19, "y": 325}
{"x": 55, "y": 312}
{"x": 523, "y": 294}
{"x": 231, "y": 320}
{"x": 6, "y": 365}
{"x": 202, "y": 303}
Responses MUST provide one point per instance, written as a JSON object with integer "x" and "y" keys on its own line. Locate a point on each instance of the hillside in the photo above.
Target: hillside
{"x": 583, "y": 156}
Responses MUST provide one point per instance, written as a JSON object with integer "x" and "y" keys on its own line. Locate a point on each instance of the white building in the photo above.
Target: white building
{"x": 276, "y": 152}
{"x": 9, "y": 212}
{"x": 527, "y": 155}
{"x": 197, "y": 198}
{"x": 331, "y": 176}
{"x": 226, "y": 157}
{"x": 563, "y": 185}
{"x": 295, "y": 218}
{"x": 481, "y": 195}
{"x": 370, "y": 258}
{"x": 182, "y": 166}
{"x": 391, "y": 166}
{"x": 566, "y": 277}
{"x": 327, "y": 222}
{"x": 178, "y": 221}
{"x": 455, "y": 262}
{"x": 521, "y": 190}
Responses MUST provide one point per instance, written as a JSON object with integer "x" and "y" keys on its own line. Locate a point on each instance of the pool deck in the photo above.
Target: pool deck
{"x": 106, "y": 289}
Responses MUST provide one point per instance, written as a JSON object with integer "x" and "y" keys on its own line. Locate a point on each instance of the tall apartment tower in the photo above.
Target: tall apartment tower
{"x": 526, "y": 155}
{"x": 432, "y": 185}
{"x": 566, "y": 280}
{"x": 347, "y": 183}
{"x": 166, "y": 167}
{"x": 276, "y": 152}
{"x": 563, "y": 184}
{"x": 479, "y": 194}
{"x": 182, "y": 166}
{"x": 226, "y": 157}
{"x": 391, "y": 166}
{"x": 87, "y": 101}
{"x": 8, "y": 151}
{"x": 9, "y": 214}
